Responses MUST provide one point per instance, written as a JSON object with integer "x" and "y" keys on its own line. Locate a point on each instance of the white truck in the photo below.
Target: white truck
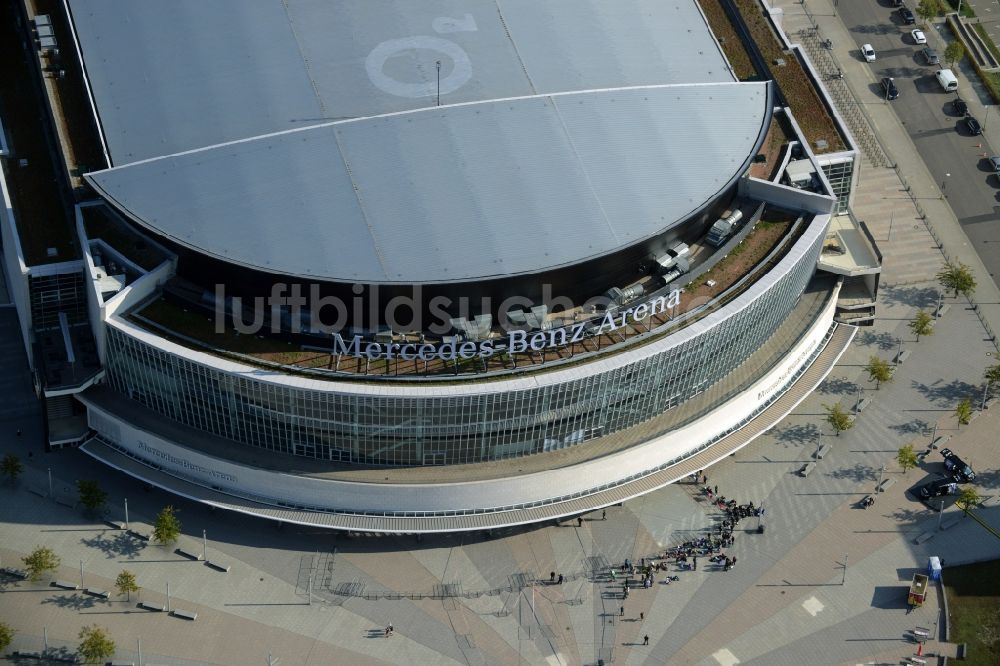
{"x": 723, "y": 229}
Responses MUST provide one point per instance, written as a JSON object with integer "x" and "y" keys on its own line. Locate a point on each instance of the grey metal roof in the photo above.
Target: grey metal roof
{"x": 179, "y": 75}
{"x": 460, "y": 192}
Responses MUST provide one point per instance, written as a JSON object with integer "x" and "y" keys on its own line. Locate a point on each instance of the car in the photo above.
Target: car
{"x": 937, "y": 488}
{"x": 959, "y": 106}
{"x": 995, "y": 163}
{"x": 889, "y": 89}
{"x": 931, "y": 56}
{"x": 918, "y": 36}
{"x": 868, "y": 52}
{"x": 957, "y": 467}
{"x": 973, "y": 125}
{"x": 906, "y": 16}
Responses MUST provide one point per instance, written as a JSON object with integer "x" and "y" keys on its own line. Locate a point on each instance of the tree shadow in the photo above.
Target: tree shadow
{"x": 120, "y": 545}
{"x": 838, "y": 386}
{"x": 989, "y": 478}
{"x": 917, "y": 297}
{"x": 946, "y": 394}
{"x": 71, "y": 601}
{"x": 914, "y": 427}
{"x": 910, "y": 516}
{"x": 859, "y": 473}
{"x": 882, "y": 341}
{"x": 798, "y": 435}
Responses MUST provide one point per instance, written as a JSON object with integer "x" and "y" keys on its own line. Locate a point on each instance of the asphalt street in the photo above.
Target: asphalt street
{"x": 952, "y": 154}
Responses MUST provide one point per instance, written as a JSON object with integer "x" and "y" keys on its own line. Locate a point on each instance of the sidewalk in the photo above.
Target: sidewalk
{"x": 913, "y": 177}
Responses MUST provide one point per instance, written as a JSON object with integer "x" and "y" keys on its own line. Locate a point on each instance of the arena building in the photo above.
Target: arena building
{"x": 418, "y": 267}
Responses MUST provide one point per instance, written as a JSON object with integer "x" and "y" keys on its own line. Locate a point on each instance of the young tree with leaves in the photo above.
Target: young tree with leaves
{"x": 6, "y": 636}
{"x": 126, "y": 584}
{"x": 879, "y": 371}
{"x": 39, "y": 562}
{"x": 92, "y": 496}
{"x": 96, "y": 647}
{"x": 838, "y": 419}
{"x": 928, "y": 9}
{"x": 954, "y": 52}
{"x": 167, "y": 527}
{"x": 963, "y": 411}
{"x": 958, "y": 277}
{"x": 992, "y": 377}
{"x": 968, "y": 499}
{"x": 11, "y": 467}
{"x": 906, "y": 457}
{"x": 922, "y": 324}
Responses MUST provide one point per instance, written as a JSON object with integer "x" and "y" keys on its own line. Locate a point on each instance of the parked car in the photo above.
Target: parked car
{"x": 906, "y": 16}
{"x": 868, "y": 51}
{"x": 931, "y": 56}
{"x": 957, "y": 467}
{"x": 889, "y": 89}
{"x": 918, "y": 36}
{"x": 959, "y": 106}
{"x": 995, "y": 162}
{"x": 937, "y": 488}
{"x": 973, "y": 125}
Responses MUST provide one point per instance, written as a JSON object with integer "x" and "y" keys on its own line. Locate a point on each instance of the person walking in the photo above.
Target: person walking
{"x": 621, "y": 612}
{"x": 579, "y": 521}
{"x": 645, "y": 639}
{"x": 560, "y": 579}
{"x": 717, "y": 490}
{"x": 642, "y": 616}
{"x": 604, "y": 514}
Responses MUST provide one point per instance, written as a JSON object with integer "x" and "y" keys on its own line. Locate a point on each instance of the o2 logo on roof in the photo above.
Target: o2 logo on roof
{"x": 461, "y": 70}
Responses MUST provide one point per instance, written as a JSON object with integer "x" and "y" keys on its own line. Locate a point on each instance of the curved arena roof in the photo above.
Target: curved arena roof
{"x": 305, "y": 138}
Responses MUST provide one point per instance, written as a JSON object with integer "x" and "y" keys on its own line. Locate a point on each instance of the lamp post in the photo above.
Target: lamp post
{"x": 126, "y": 513}
{"x": 844, "y": 579}
{"x": 944, "y": 185}
{"x": 878, "y": 488}
{"x": 438, "y": 64}
{"x": 986, "y": 392}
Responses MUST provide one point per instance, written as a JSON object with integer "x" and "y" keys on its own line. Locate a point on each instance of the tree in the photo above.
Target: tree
{"x": 992, "y": 377}
{"x": 11, "y": 467}
{"x": 40, "y": 561}
{"x": 968, "y": 499}
{"x": 6, "y": 636}
{"x": 928, "y": 9}
{"x": 954, "y": 52}
{"x": 963, "y": 411}
{"x": 906, "y": 457}
{"x": 838, "y": 419}
{"x": 92, "y": 496}
{"x": 126, "y": 584}
{"x": 879, "y": 371}
{"x": 957, "y": 277}
{"x": 95, "y": 645}
{"x": 167, "y": 527}
{"x": 922, "y": 324}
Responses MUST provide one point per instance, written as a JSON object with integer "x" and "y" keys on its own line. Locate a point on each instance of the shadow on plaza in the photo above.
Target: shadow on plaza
{"x": 947, "y": 394}
{"x": 71, "y": 601}
{"x": 119, "y": 545}
{"x": 837, "y": 386}
{"x": 882, "y": 341}
{"x": 912, "y": 296}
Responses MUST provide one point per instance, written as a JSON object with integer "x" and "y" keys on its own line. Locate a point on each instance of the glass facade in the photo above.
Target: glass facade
{"x": 334, "y": 424}
{"x": 840, "y": 174}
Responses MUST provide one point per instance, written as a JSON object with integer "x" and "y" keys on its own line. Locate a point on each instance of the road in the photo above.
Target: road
{"x": 952, "y": 154}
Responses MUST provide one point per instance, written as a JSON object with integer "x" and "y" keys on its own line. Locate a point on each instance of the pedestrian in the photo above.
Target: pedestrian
{"x": 717, "y": 490}
{"x": 621, "y": 612}
{"x": 552, "y": 576}
{"x": 604, "y": 514}
{"x": 642, "y": 616}
{"x": 18, "y": 432}
{"x": 560, "y": 579}
{"x": 579, "y": 521}
{"x": 645, "y": 639}
{"x": 613, "y": 577}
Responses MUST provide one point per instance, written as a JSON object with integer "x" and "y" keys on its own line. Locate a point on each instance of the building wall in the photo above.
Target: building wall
{"x": 504, "y": 496}
{"x": 485, "y": 421}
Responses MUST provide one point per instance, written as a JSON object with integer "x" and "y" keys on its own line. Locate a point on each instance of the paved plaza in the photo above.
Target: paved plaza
{"x": 825, "y": 583}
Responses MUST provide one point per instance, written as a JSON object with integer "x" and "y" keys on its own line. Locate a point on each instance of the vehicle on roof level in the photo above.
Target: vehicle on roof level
{"x": 938, "y": 488}
{"x": 995, "y": 163}
{"x": 868, "y": 51}
{"x": 973, "y": 125}
{"x": 931, "y": 56}
{"x": 889, "y": 89}
{"x": 959, "y": 106}
{"x": 957, "y": 467}
{"x": 906, "y": 16}
{"x": 918, "y": 36}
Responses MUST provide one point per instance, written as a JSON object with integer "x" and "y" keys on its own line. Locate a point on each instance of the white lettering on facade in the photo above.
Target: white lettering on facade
{"x": 184, "y": 463}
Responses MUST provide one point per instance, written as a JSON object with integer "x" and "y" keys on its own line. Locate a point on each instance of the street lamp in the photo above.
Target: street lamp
{"x": 944, "y": 184}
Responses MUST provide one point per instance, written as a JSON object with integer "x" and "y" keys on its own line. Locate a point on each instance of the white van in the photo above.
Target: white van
{"x": 947, "y": 80}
